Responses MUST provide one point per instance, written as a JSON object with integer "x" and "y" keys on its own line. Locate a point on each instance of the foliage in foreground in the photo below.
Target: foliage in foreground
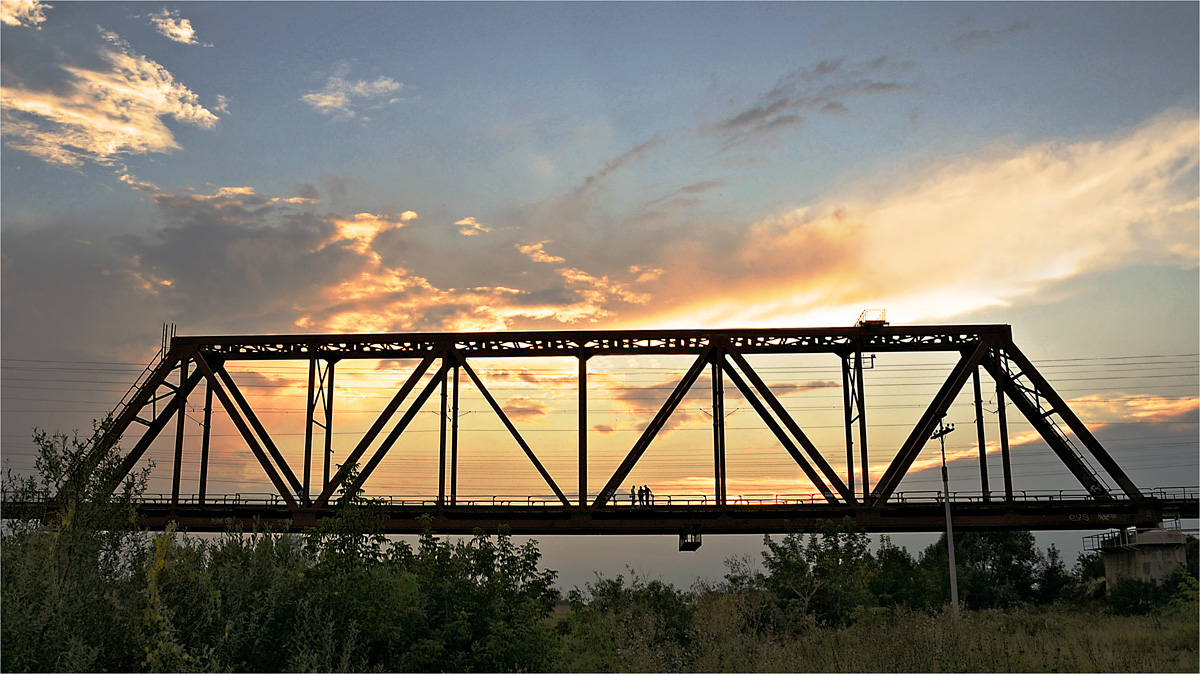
{"x": 87, "y": 592}
{"x": 83, "y": 590}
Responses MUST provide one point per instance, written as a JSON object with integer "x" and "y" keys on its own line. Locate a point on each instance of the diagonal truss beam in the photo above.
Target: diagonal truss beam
{"x": 437, "y": 380}
{"x": 1074, "y": 423}
{"x": 655, "y": 426}
{"x": 1039, "y": 419}
{"x": 790, "y": 423}
{"x": 758, "y": 406}
{"x": 512, "y": 429}
{"x": 232, "y": 410}
{"x": 928, "y": 422}
{"x": 376, "y": 427}
{"x": 258, "y": 427}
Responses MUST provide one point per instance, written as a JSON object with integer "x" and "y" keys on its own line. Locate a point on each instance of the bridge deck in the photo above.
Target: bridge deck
{"x": 750, "y": 516}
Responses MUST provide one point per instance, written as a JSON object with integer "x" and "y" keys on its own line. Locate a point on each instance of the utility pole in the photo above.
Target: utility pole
{"x": 940, "y": 434}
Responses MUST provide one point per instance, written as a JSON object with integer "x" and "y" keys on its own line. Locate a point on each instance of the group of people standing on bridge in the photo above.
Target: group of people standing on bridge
{"x": 641, "y": 495}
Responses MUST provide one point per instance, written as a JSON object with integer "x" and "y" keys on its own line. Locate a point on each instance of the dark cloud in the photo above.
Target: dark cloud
{"x": 782, "y": 389}
{"x": 835, "y": 108}
{"x": 752, "y": 117}
{"x": 307, "y": 191}
{"x": 520, "y": 408}
{"x": 703, "y": 186}
{"x": 983, "y": 37}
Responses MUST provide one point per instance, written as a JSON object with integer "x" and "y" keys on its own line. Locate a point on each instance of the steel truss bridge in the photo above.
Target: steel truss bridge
{"x": 294, "y": 502}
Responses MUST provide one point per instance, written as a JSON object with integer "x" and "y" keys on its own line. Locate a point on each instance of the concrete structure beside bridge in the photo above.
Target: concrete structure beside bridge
{"x": 1142, "y": 554}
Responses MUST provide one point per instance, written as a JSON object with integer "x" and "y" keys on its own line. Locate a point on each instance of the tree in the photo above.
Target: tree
{"x": 996, "y": 569}
{"x": 825, "y": 577}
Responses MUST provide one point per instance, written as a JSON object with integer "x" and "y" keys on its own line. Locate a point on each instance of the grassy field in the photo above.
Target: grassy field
{"x": 1052, "y": 639}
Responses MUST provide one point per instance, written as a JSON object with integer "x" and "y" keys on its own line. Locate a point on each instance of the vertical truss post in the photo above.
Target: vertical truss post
{"x": 862, "y": 420}
{"x": 181, "y": 395}
{"x": 208, "y": 395}
{"x": 847, "y": 384}
{"x": 1001, "y": 408}
{"x": 454, "y": 441}
{"x": 328, "y": 419}
{"x": 442, "y": 446}
{"x": 718, "y": 401}
{"x": 983, "y": 473}
{"x": 311, "y": 406}
{"x": 583, "y": 427}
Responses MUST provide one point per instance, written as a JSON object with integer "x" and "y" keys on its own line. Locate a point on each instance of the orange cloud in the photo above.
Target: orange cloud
{"x": 971, "y": 233}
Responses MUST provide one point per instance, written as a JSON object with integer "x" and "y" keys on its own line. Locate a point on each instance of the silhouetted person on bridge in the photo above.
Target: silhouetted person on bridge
{"x": 632, "y": 495}
{"x": 649, "y": 496}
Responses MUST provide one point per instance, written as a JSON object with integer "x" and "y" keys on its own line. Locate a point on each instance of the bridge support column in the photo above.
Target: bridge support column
{"x": 313, "y": 391}
{"x": 583, "y": 427}
{"x": 328, "y": 419}
{"x": 1001, "y": 405}
{"x": 442, "y": 446}
{"x": 983, "y": 469}
{"x": 204, "y": 442}
{"x": 454, "y": 440}
{"x": 853, "y": 397}
{"x": 320, "y": 387}
{"x": 718, "y": 398}
{"x": 182, "y": 396}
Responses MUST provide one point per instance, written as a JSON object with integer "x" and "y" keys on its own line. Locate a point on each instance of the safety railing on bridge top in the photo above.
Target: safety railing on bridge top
{"x": 271, "y": 499}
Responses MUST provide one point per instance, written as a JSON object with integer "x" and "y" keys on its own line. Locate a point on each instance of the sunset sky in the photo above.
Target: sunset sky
{"x": 245, "y": 168}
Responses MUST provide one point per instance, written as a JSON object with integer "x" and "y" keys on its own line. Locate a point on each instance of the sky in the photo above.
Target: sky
{"x": 247, "y": 168}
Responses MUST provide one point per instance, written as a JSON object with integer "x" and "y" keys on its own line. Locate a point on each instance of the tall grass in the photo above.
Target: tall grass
{"x": 1062, "y": 639}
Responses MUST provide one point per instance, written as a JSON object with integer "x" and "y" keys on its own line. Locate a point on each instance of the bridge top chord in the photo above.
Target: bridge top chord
{"x": 595, "y": 342}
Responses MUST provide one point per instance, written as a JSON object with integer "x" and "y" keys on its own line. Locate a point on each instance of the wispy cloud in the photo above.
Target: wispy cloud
{"x": 28, "y": 13}
{"x": 342, "y": 98}
{"x": 981, "y": 37}
{"x": 99, "y": 115}
{"x": 823, "y": 88}
{"x": 175, "y": 28}
{"x": 620, "y": 161}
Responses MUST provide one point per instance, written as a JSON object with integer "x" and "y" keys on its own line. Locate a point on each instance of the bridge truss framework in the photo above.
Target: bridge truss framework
{"x": 162, "y": 393}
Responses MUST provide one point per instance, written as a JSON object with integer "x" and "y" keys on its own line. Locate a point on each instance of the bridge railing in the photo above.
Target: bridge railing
{"x": 668, "y": 500}
{"x": 272, "y": 499}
